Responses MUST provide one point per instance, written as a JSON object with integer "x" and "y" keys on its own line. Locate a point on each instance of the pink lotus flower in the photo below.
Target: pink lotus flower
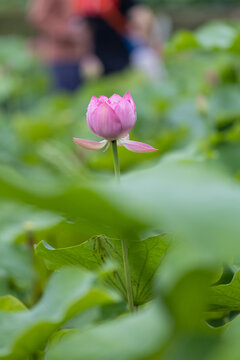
{"x": 112, "y": 119}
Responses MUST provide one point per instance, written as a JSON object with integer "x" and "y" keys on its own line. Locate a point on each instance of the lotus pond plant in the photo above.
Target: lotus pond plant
{"x": 112, "y": 119}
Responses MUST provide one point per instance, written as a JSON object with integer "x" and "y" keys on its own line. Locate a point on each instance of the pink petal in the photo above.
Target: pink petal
{"x": 105, "y": 123}
{"x": 126, "y": 114}
{"x": 128, "y": 97}
{"x": 92, "y": 106}
{"x": 94, "y": 103}
{"x": 102, "y": 100}
{"x": 136, "y": 146}
{"x": 127, "y": 137}
{"x": 89, "y": 144}
{"x": 115, "y": 98}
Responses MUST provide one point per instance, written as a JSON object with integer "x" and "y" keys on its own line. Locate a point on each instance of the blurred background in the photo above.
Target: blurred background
{"x": 180, "y": 60}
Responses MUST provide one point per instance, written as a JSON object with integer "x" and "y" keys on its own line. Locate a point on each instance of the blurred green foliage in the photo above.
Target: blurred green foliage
{"x": 13, "y": 4}
{"x": 62, "y": 288}
{"x": 179, "y": 3}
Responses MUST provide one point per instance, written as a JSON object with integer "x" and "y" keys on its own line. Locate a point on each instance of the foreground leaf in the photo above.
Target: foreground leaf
{"x": 10, "y": 303}
{"x": 196, "y": 202}
{"x": 144, "y": 258}
{"x": 69, "y": 292}
{"x": 78, "y": 200}
{"x": 131, "y": 337}
{"x": 226, "y": 297}
{"x": 229, "y": 348}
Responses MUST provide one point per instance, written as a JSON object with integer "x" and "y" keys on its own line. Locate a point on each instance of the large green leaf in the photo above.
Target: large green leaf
{"x": 69, "y": 292}
{"x": 10, "y": 303}
{"x": 196, "y": 202}
{"x": 226, "y": 297}
{"x": 188, "y": 298}
{"x": 216, "y": 36}
{"x": 144, "y": 258}
{"x": 213, "y": 36}
{"x": 182, "y": 41}
{"x": 229, "y": 348}
{"x": 73, "y": 198}
{"x": 76, "y": 255}
{"x": 131, "y": 337}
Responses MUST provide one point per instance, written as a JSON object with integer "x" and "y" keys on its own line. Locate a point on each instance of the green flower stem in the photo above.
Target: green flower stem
{"x": 116, "y": 160}
{"x": 127, "y": 275}
{"x": 124, "y": 242}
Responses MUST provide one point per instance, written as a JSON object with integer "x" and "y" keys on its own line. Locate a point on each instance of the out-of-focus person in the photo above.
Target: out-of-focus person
{"x": 145, "y": 35}
{"x": 123, "y": 34}
{"x": 62, "y": 42}
{"x": 108, "y": 21}
{"x": 86, "y": 38}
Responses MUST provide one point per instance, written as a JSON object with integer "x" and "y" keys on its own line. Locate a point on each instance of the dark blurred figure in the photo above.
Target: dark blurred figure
{"x": 88, "y": 37}
{"x": 108, "y": 21}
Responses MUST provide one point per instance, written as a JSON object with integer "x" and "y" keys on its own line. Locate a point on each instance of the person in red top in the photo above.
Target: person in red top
{"x": 108, "y": 20}
{"x": 74, "y": 30}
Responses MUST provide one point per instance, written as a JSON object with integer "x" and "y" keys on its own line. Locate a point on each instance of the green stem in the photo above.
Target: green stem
{"x": 116, "y": 160}
{"x": 124, "y": 242}
{"x": 127, "y": 275}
